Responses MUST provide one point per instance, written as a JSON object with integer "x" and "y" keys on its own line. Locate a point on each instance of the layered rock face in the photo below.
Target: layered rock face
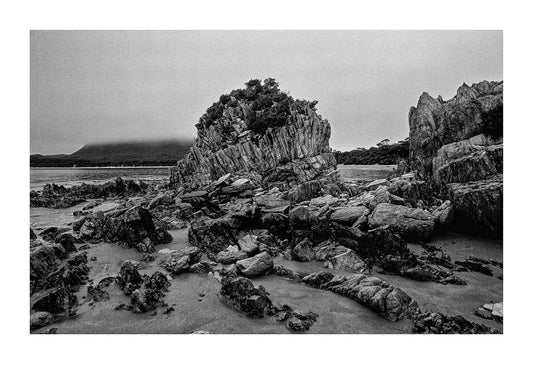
{"x": 479, "y": 205}
{"x": 478, "y": 157}
{"x": 435, "y": 122}
{"x": 291, "y": 152}
{"x": 458, "y": 146}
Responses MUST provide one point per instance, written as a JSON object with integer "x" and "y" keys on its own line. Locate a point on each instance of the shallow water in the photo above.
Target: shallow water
{"x": 41, "y": 218}
{"x": 364, "y": 173}
{"x": 76, "y": 176}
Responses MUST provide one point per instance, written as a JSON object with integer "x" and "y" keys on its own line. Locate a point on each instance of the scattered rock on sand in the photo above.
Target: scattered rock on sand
{"x": 258, "y": 265}
{"x": 240, "y": 293}
{"x": 387, "y": 300}
{"x": 180, "y": 261}
{"x": 129, "y": 278}
{"x": 439, "y": 323}
{"x": 40, "y": 319}
{"x": 348, "y": 261}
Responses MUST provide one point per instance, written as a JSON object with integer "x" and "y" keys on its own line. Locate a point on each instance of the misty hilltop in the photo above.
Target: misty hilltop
{"x": 132, "y": 153}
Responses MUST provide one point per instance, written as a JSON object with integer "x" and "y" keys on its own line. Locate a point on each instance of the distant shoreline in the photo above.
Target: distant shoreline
{"x": 385, "y": 166}
{"x": 102, "y": 167}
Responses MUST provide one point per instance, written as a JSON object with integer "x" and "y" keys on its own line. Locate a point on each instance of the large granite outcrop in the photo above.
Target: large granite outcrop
{"x": 291, "y": 151}
{"x": 457, "y": 145}
{"x": 435, "y": 122}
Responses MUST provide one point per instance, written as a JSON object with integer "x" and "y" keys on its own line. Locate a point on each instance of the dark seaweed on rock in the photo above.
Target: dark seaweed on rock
{"x": 59, "y": 196}
{"x": 240, "y": 293}
{"x": 440, "y": 323}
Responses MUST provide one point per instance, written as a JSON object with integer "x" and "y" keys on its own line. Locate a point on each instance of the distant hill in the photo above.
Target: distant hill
{"x": 139, "y": 153}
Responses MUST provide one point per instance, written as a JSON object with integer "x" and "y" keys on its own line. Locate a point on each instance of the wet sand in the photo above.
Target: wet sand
{"x": 195, "y": 297}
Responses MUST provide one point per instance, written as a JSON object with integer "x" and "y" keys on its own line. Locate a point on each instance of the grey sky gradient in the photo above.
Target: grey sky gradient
{"x": 91, "y": 86}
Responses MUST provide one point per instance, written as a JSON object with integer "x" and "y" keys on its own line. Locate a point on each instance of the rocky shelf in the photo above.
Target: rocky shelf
{"x": 259, "y": 205}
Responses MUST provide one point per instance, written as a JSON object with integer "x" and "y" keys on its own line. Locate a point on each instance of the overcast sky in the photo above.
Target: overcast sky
{"x": 90, "y": 86}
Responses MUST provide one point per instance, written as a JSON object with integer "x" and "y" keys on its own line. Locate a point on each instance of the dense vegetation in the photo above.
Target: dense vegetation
{"x": 264, "y": 106}
{"x": 493, "y": 121}
{"x": 382, "y": 154}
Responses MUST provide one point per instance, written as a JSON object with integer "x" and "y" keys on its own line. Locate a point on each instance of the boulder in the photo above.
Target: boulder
{"x": 276, "y": 223}
{"x": 298, "y": 321}
{"x": 184, "y": 210}
{"x": 54, "y": 300}
{"x": 258, "y": 265}
{"x": 444, "y": 213}
{"x": 271, "y": 202}
{"x": 44, "y": 260}
{"x": 146, "y": 246}
{"x": 346, "y": 236}
{"x": 349, "y": 215}
{"x": 478, "y": 206}
{"x": 40, "y": 319}
{"x": 249, "y": 245}
{"x": 215, "y": 234}
{"x": 240, "y": 293}
{"x": 440, "y": 323}
{"x": 161, "y": 199}
{"x": 347, "y": 261}
{"x": 497, "y": 311}
{"x": 328, "y": 249}
{"x": 494, "y": 310}
{"x": 306, "y": 191}
{"x": 371, "y": 199}
{"x": 378, "y": 182}
{"x": 383, "y": 298}
{"x": 231, "y": 255}
{"x": 130, "y": 227}
{"x": 129, "y": 279}
{"x": 66, "y": 240}
{"x": 379, "y": 244}
{"x": 410, "y": 223}
{"x": 308, "y": 222}
{"x": 321, "y": 201}
{"x": 303, "y": 251}
{"x": 180, "y": 261}
{"x": 468, "y": 160}
{"x": 409, "y": 188}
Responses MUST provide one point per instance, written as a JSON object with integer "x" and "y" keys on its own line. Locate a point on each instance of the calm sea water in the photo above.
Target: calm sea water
{"x": 75, "y": 176}
{"x": 364, "y": 173}
{"x": 41, "y": 218}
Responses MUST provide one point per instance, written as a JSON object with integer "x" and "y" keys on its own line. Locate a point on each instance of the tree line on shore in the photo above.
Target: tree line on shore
{"x": 383, "y": 153}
